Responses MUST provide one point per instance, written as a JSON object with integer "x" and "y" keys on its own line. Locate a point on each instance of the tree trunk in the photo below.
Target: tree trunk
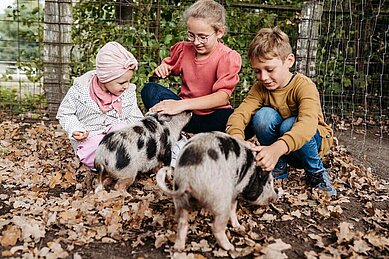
{"x": 308, "y": 38}
{"x": 57, "y": 37}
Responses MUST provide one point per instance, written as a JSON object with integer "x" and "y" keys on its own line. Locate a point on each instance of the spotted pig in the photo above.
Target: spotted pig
{"x": 140, "y": 147}
{"x": 212, "y": 170}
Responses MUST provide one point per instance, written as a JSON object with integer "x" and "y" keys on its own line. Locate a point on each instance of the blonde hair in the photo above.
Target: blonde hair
{"x": 269, "y": 43}
{"x": 210, "y": 10}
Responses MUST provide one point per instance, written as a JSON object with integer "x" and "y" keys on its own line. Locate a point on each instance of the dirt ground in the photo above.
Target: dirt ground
{"x": 46, "y": 210}
{"x": 371, "y": 150}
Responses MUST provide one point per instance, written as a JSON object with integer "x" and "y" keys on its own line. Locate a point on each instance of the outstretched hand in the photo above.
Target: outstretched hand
{"x": 267, "y": 156}
{"x": 163, "y": 70}
{"x": 170, "y": 107}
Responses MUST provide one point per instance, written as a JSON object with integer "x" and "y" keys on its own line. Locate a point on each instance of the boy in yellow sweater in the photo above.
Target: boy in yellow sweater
{"x": 284, "y": 111}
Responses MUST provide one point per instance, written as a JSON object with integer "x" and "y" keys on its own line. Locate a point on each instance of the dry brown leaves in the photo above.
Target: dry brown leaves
{"x": 47, "y": 211}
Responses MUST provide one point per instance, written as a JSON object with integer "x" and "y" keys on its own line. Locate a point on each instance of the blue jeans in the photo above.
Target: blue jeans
{"x": 268, "y": 126}
{"x": 153, "y": 93}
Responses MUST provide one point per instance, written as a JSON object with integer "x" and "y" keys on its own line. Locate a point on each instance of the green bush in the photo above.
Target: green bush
{"x": 149, "y": 35}
{"x": 8, "y": 99}
{"x": 29, "y": 103}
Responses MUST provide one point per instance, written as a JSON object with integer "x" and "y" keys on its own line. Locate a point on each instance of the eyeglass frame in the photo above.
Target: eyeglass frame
{"x": 194, "y": 36}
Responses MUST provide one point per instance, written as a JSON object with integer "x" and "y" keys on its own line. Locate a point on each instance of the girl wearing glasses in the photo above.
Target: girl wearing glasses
{"x": 209, "y": 72}
{"x": 208, "y": 69}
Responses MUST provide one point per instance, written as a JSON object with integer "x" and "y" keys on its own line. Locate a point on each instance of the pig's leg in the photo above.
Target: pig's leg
{"x": 102, "y": 181}
{"x": 219, "y": 230}
{"x": 156, "y": 169}
{"x": 182, "y": 229}
{"x": 234, "y": 217}
{"x": 122, "y": 184}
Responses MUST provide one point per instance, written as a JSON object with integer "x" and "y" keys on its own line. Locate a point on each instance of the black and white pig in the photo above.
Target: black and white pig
{"x": 212, "y": 170}
{"x": 140, "y": 147}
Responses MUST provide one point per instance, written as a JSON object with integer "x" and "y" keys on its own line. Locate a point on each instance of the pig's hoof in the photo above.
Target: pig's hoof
{"x": 179, "y": 246}
{"x": 239, "y": 229}
{"x": 99, "y": 188}
{"x": 227, "y": 246}
{"x": 125, "y": 194}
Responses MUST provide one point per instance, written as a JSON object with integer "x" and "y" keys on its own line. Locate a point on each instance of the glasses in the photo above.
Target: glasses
{"x": 203, "y": 39}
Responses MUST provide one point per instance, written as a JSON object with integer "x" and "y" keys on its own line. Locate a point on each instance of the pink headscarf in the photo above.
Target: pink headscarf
{"x": 113, "y": 61}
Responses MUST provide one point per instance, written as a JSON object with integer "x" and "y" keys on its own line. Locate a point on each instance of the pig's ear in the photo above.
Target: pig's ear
{"x": 263, "y": 175}
{"x": 164, "y": 117}
{"x": 150, "y": 113}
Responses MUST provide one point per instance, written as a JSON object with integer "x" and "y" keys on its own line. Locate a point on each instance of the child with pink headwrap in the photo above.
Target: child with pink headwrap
{"x": 100, "y": 101}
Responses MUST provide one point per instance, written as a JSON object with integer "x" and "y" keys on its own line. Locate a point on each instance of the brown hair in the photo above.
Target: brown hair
{"x": 269, "y": 43}
{"x": 210, "y": 10}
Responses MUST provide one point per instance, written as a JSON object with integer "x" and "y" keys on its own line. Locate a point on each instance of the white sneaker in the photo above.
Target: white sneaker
{"x": 176, "y": 149}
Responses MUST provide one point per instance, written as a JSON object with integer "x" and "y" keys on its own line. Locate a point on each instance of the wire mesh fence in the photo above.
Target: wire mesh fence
{"x": 341, "y": 45}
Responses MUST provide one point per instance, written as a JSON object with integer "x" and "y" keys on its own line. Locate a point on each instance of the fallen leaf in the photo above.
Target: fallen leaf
{"x": 274, "y": 250}
{"x": 344, "y": 233}
{"x": 319, "y": 240}
{"x": 377, "y": 240}
{"x": 268, "y": 217}
{"x": 360, "y": 246}
{"x": 10, "y": 236}
{"x": 30, "y": 228}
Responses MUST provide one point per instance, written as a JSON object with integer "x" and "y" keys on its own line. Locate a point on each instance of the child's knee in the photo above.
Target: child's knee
{"x": 286, "y": 125}
{"x": 266, "y": 115}
{"x": 86, "y": 157}
{"x": 266, "y": 118}
{"x": 147, "y": 88}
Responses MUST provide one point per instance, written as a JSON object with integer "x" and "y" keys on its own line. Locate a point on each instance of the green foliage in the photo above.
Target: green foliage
{"x": 243, "y": 23}
{"x": 23, "y": 26}
{"x": 351, "y": 47}
{"x": 34, "y": 102}
{"x": 149, "y": 29}
{"x": 10, "y": 101}
{"x": 96, "y": 25}
{"x": 149, "y": 36}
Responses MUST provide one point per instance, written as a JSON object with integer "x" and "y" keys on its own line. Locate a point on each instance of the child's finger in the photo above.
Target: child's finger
{"x": 256, "y": 148}
{"x": 158, "y": 72}
{"x": 251, "y": 145}
{"x": 81, "y": 133}
{"x": 165, "y": 72}
{"x": 76, "y": 134}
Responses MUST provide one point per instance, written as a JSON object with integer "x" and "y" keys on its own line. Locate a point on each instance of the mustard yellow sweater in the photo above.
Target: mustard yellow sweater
{"x": 299, "y": 98}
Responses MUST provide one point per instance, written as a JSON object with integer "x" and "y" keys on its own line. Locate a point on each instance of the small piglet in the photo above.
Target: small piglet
{"x": 212, "y": 170}
{"x": 140, "y": 147}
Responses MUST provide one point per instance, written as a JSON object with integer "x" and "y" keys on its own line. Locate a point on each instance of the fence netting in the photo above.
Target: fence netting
{"x": 341, "y": 44}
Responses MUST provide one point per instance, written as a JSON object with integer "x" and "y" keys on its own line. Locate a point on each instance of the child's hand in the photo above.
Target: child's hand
{"x": 163, "y": 70}
{"x": 251, "y": 144}
{"x": 268, "y": 156}
{"x": 79, "y": 135}
{"x": 170, "y": 107}
{"x": 265, "y": 158}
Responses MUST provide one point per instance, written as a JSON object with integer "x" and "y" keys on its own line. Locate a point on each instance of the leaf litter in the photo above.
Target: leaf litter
{"x": 48, "y": 209}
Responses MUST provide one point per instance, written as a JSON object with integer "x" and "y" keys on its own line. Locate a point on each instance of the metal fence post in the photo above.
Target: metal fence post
{"x": 57, "y": 46}
{"x": 308, "y": 38}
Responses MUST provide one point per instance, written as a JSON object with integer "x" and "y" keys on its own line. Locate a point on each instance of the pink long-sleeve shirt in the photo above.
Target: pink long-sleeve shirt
{"x": 218, "y": 72}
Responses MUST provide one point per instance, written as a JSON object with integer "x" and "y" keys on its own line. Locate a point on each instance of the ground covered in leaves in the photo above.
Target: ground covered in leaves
{"x": 46, "y": 210}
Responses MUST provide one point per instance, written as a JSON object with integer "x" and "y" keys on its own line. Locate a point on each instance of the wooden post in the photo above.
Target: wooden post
{"x": 308, "y": 38}
{"x": 57, "y": 46}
